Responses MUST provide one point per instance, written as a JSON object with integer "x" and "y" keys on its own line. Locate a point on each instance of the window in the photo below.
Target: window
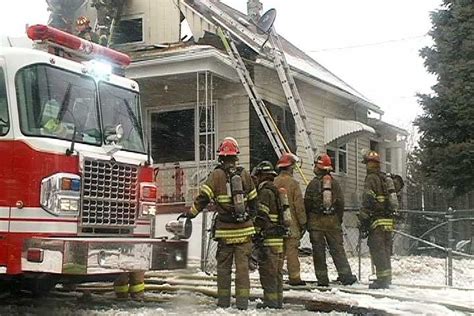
{"x": 338, "y": 158}
{"x": 128, "y": 31}
{"x": 4, "y": 119}
{"x": 374, "y": 145}
{"x": 172, "y": 136}
{"x": 260, "y": 146}
{"x": 120, "y": 106}
{"x": 58, "y": 104}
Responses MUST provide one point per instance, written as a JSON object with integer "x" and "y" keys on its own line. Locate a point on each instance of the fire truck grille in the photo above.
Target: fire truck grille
{"x": 109, "y": 196}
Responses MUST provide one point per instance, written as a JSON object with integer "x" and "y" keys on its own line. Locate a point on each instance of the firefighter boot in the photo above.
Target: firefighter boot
{"x": 242, "y": 303}
{"x": 223, "y": 298}
{"x": 347, "y": 279}
{"x": 137, "y": 286}
{"x": 297, "y": 282}
{"x": 379, "y": 284}
{"x": 121, "y": 286}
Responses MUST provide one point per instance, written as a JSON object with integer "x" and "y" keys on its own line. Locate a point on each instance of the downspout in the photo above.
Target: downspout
{"x": 356, "y": 160}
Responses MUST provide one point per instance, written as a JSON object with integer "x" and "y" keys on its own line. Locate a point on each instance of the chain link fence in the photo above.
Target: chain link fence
{"x": 429, "y": 248}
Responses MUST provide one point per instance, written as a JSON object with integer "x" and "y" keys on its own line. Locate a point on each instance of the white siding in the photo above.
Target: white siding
{"x": 320, "y": 104}
{"x": 161, "y": 19}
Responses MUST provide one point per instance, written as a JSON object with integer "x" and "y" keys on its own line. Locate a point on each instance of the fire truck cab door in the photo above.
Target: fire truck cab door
{"x": 6, "y": 162}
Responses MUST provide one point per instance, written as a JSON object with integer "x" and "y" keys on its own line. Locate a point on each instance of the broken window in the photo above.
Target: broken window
{"x": 4, "y": 120}
{"x": 260, "y": 146}
{"x": 338, "y": 158}
{"x": 128, "y": 31}
{"x": 172, "y": 136}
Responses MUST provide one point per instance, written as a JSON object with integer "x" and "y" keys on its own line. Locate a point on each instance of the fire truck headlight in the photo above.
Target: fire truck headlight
{"x": 60, "y": 194}
{"x": 68, "y": 205}
{"x": 147, "y": 209}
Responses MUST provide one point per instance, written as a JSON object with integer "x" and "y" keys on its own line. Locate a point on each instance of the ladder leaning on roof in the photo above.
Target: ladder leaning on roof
{"x": 260, "y": 107}
{"x": 291, "y": 93}
{"x": 271, "y": 129}
{"x": 281, "y": 65}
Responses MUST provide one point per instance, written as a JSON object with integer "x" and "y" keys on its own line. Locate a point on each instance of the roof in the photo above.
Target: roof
{"x": 243, "y": 28}
{"x": 382, "y": 124}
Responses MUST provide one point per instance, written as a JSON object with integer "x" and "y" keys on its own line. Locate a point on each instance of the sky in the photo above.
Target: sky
{"x": 371, "y": 44}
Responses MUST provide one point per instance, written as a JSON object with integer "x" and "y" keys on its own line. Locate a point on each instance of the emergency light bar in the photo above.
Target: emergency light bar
{"x": 40, "y": 32}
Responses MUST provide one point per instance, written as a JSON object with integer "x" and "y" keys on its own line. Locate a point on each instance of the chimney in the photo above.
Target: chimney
{"x": 254, "y": 9}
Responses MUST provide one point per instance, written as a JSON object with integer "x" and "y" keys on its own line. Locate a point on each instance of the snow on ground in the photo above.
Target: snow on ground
{"x": 407, "y": 270}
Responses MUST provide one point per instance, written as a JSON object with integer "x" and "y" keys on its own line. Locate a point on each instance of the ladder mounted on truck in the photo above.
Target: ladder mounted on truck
{"x": 276, "y": 53}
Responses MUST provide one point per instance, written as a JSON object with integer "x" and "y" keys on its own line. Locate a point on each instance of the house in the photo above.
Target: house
{"x": 192, "y": 98}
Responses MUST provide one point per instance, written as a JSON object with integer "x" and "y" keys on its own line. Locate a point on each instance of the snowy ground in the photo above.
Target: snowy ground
{"x": 428, "y": 301}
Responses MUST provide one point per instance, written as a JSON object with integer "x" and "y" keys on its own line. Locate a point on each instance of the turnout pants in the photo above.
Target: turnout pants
{"x": 380, "y": 246}
{"x": 226, "y": 253}
{"x": 335, "y": 243}
{"x": 132, "y": 283}
{"x": 291, "y": 246}
{"x": 270, "y": 268}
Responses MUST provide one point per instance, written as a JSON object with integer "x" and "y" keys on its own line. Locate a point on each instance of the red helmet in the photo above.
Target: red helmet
{"x": 371, "y": 155}
{"x": 324, "y": 162}
{"x": 228, "y": 147}
{"x": 286, "y": 160}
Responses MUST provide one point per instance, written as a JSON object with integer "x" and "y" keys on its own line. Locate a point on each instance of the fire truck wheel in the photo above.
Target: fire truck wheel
{"x": 40, "y": 286}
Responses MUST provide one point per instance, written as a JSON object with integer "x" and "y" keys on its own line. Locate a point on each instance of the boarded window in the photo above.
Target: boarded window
{"x": 172, "y": 136}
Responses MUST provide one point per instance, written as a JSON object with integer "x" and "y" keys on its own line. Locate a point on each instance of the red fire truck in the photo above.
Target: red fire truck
{"x": 77, "y": 197}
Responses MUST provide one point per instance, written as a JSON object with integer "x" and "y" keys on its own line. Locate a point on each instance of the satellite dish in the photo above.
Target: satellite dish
{"x": 265, "y": 23}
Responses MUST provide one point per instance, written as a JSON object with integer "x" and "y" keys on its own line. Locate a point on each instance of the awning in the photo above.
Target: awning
{"x": 343, "y": 130}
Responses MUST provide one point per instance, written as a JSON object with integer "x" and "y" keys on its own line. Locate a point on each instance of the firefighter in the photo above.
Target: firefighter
{"x": 131, "y": 283}
{"x": 84, "y": 30}
{"x": 377, "y": 220}
{"x": 324, "y": 204}
{"x": 285, "y": 180}
{"x": 270, "y": 228}
{"x": 232, "y": 190}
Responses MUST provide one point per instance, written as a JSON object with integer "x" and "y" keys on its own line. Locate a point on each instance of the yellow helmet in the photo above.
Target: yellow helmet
{"x": 370, "y": 155}
{"x": 82, "y": 20}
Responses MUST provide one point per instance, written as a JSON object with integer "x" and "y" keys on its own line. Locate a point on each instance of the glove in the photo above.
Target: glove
{"x": 364, "y": 226}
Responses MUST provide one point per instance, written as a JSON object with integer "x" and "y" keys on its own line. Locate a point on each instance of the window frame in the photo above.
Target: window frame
{"x": 3, "y": 74}
{"x": 19, "y": 105}
{"x": 129, "y": 18}
{"x": 138, "y": 114}
{"x": 196, "y": 131}
{"x": 336, "y": 162}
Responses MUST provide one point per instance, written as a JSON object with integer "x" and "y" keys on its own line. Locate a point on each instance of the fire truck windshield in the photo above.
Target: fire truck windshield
{"x": 120, "y": 106}
{"x": 56, "y": 103}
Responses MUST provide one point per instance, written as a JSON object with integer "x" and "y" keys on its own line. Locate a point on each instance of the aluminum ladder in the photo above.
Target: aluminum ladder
{"x": 269, "y": 125}
{"x": 291, "y": 93}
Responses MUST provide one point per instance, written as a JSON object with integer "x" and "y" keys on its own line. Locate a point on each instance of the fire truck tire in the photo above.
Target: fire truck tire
{"x": 39, "y": 286}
